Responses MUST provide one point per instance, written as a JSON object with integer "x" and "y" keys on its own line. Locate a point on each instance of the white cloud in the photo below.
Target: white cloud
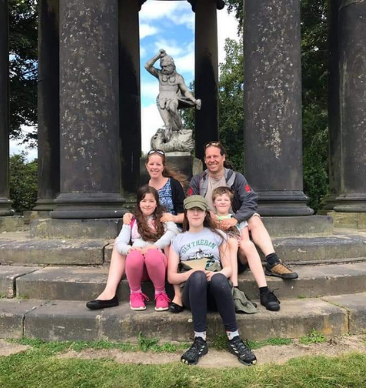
{"x": 150, "y": 89}
{"x": 150, "y": 123}
{"x": 16, "y": 148}
{"x": 227, "y": 27}
{"x": 171, "y": 10}
{"x": 147, "y": 30}
{"x": 172, "y": 47}
{"x": 185, "y": 63}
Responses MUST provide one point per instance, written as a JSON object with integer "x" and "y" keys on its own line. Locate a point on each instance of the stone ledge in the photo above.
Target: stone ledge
{"x": 70, "y": 321}
{"x": 8, "y": 276}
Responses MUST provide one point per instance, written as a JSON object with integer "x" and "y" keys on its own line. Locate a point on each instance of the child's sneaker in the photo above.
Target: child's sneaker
{"x": 161, "y": 302}
{"x": 237, "y": 347}
{"x": 137, "y": 301}
{"x": 198, "y": 349}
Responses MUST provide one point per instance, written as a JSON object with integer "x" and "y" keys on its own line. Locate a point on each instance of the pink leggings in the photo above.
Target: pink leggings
{"x": 141, "y": 267}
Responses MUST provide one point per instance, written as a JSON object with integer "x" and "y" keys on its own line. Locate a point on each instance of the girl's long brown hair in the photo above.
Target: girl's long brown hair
{"x": 207, "y": 222}
{"x": 146, "y": 233}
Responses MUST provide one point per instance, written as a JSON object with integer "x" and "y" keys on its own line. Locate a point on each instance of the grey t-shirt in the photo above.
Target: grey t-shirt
{"x": 196, "y": 246}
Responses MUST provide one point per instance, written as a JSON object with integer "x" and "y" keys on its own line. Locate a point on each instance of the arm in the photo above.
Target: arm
{"x": 245, "y": 200}
{"x": 186, "y": 93}
{"x": 149, "y": 64}
{"x": 170, "y": 232}
{"x": 122, "y": 243}
{"x": 173, "y": 276}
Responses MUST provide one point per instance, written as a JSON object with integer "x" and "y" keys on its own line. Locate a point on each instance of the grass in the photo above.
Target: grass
{"x": 38, "y": 367}
{"x": 313, "y": 338}
{"x": 220, "y": 342}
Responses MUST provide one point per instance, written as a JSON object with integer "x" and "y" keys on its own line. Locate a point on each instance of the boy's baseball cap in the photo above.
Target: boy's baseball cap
{"x": 195, "y": 201}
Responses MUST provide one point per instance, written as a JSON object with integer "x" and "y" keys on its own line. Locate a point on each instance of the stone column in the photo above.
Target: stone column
{"x": 48, "y": 105}
{"x": 129, "y": 93}
{"x": 5, "y": 203}
{"x": 90, "y": 159}
{"x": 333, "y": 106}
{"x": 272, "y": 106}
{"x": 206, "y": 72}
{"x": 352, "y": 94}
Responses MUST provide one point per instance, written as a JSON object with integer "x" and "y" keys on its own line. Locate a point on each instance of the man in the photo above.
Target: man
{"x": 244, "y": 205}
{"x": 173, "y": 93}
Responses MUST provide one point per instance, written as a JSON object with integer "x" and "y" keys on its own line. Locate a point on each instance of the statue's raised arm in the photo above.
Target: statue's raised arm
{"x": 173, "y": 93}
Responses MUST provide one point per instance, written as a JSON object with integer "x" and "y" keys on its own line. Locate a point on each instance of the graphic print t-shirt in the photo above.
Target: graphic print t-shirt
{"x": 199, "y": 250}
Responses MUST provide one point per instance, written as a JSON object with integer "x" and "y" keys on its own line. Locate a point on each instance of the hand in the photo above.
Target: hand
{"x": 135, "y": 249}
{"x": 167, "y": 217}
{"x": 127, "y": 218}
{"x": 198, "y": 104}
{"x": 227, "y": 224}
{"x": 162, "y": 53}
{"x": 145, "y": 249}
{"x": 209, "y": 275}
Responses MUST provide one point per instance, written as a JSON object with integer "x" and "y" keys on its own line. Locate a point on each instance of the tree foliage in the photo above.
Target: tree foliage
{"x": 23, "y": 68}
{"x": 23, "y": 182}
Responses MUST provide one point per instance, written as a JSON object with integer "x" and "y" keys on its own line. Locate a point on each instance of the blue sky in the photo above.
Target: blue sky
{"x": 168, "y": 25}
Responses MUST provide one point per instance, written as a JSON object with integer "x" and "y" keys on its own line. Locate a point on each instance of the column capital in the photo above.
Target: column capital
{"x": 220, "y": 4}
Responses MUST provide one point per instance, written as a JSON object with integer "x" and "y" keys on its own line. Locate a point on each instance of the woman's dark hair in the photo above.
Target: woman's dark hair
{"x": 168, "y": 172}
{"x": 146, "y": 233}
{"x": 207, "y": 222}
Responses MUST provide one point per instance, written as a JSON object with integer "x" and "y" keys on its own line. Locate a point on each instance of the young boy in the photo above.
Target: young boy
{"x": 241, "y": 248}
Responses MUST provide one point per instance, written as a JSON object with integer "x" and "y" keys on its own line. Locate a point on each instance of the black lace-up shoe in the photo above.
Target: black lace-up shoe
{"x": 270, "y": 301}
{"x": 198, "y": 349}
{"x": 237, "y": 347}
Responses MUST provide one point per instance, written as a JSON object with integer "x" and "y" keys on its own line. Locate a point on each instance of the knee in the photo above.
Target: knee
{"x": 153, "y": 256}
{"x": 199, "y": 279}
{"x": 134, "y": 259}
{"x": 219, "y": 281}
{"x": 247, "y": 245}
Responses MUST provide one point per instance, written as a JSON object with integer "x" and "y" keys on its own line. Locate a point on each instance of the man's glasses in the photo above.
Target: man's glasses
{"x": 213, "y": 144}
{"x": 161, "y": 152}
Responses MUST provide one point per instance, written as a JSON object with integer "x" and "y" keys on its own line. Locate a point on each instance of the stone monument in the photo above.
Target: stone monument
{"x": 173, "y": 95}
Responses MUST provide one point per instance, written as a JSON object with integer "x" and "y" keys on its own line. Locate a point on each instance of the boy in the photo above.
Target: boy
{"x": 242, "y": 248}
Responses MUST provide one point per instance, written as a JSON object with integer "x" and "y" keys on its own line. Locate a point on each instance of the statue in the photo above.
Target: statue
{"x": 173, "y": 94}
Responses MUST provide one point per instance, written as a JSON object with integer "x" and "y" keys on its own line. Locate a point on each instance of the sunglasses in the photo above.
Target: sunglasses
{"x": 213, "y": 144}
{"x": 156, "y": 152}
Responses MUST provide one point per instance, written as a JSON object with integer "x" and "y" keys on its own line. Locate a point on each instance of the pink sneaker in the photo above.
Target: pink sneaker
{"x": 137, "y": 301}
{"x": 162, "y": 302}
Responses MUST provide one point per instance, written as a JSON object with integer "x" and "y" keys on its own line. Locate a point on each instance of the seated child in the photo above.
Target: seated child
{"x": 242, "y": 248}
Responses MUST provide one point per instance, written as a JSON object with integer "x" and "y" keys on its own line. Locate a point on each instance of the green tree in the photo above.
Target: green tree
{"x": 23, "y": 182}
{"x": 23, "y": 68}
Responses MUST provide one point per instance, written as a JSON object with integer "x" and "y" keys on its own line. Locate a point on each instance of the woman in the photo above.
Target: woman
{"x": 201, "y": 250}
{"x": 171, "y": 196}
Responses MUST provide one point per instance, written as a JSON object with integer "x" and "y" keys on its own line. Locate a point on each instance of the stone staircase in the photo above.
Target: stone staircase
{"x": 44, "y": 284}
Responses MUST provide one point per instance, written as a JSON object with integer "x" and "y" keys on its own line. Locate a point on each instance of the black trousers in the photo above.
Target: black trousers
{"x": 199, "y": 296}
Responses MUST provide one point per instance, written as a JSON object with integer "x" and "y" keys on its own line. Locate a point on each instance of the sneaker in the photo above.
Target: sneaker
{"x": 162, "y": 302}
{"x": 137, "y": 301}
{"x": 198, "y": 349}
{"x": 270, "y": 301}
{"x": 280, "y": 270}
{"x": 237, "y": 347}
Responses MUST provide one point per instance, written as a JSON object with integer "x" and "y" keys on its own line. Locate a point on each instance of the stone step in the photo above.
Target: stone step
{"x": 67, "y": 320}
{"x": 318, "y": 249}
{"x": 86, "y": 283}
{"x": 19, "y": 248}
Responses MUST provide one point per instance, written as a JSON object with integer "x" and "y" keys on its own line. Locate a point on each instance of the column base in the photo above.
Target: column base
{"x": 88, "y": 205}
{"x": 350, "y": 203}
{"x": 283, "y": 203}
{"x": 330, "y": 201}
{"x": 5, "y": 207}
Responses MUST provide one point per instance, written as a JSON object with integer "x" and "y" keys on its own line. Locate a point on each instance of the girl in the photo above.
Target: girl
{"x": 203, "y": 248}
{"x": 171, "y": 196}
{"x": 238, "y": 239}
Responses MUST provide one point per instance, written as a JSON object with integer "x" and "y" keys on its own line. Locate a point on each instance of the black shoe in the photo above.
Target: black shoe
{"x": 175, "y": 308}
{"x": 98, "y": 304}
{"x": 270, "y": 301}
{"x": 198, "y": 349}
{"x": 237, "y": 347}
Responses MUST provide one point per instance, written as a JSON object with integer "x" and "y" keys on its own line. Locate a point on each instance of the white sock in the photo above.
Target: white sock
{"x": 201, "y": 334}
{"x": 159, "y": 292}
{"x": 232, "y": 334}
{"x": 134, "y": 292}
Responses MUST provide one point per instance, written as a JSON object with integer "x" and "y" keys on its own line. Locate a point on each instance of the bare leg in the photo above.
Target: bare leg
{"x": 177, "y": 292}
{"x": 260, "y": 235}
{"x": 248, "y": 249}
{"x": 232, "y": 244}
{"x": 116, "y": 271}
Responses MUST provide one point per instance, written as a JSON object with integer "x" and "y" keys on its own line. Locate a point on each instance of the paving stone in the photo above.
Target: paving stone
{"x": 355, "y": 305}
{"x": 12, "y": 313}
{"x": 8, "y": 275}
